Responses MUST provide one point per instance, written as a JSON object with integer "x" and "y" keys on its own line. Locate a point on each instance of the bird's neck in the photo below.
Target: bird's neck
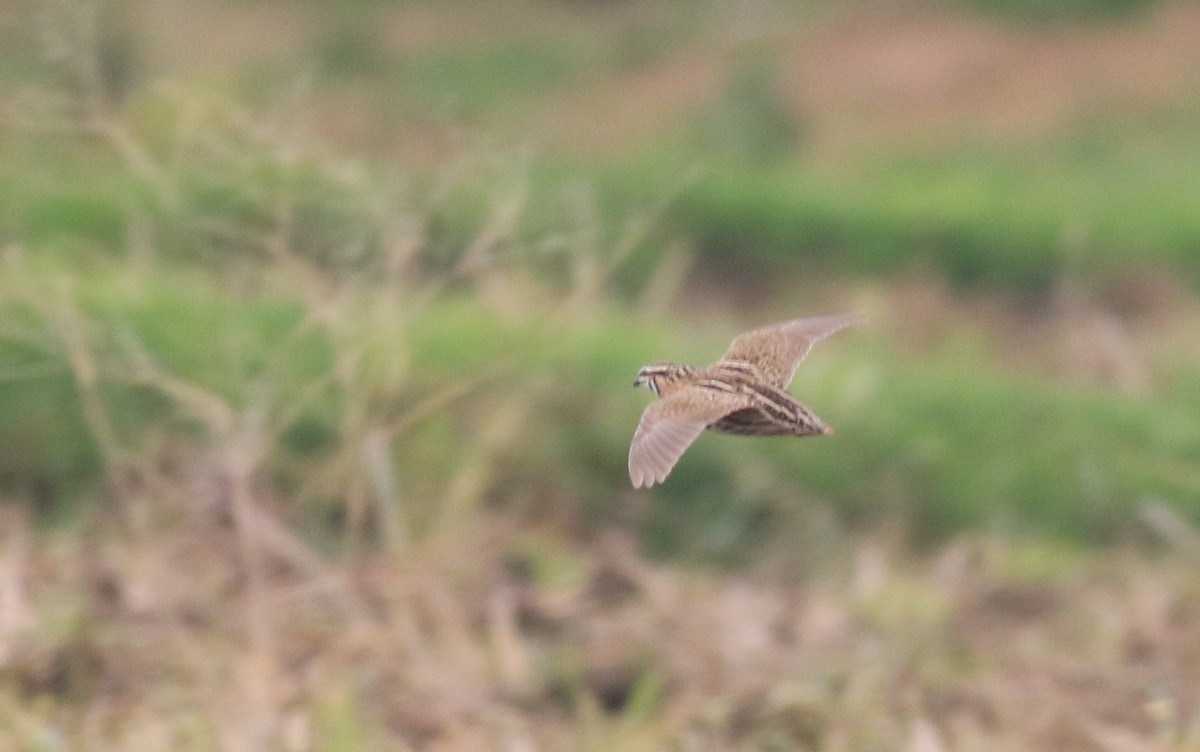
{"x": 672, "y": 377}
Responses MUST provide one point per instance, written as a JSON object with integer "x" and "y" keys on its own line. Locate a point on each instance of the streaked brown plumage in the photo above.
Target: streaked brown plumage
{"x": 742, "y": 393}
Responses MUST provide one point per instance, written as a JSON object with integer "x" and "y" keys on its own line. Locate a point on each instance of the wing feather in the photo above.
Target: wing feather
{"x": 669, "y": 426}
{"x": 777, "y": 350}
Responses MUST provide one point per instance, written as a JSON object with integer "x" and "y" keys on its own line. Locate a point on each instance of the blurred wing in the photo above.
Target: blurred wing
{"x": 778, "y": 349}
{"x": 669, "y": 426}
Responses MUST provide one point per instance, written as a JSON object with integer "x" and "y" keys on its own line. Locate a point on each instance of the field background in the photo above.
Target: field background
{"x": 318, "y": 322}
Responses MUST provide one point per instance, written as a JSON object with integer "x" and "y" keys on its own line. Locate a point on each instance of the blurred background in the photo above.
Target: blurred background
{"x": 318, "y": 322}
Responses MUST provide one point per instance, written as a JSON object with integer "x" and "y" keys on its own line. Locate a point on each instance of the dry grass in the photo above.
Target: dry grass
{"x": 176, "y": 621}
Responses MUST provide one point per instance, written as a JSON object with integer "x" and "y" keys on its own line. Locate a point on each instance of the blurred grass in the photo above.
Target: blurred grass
{"x": 480, "y": 79}
{"x": 947, "y": 442}
{"x": 243, "y": 259}
{"x": 329, "y": 452}
{"x": 1065, "y": 11}
{"x": 985, "y": 217}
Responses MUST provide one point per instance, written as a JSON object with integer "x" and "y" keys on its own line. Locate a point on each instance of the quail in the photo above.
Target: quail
{"x": 743, "y": 393}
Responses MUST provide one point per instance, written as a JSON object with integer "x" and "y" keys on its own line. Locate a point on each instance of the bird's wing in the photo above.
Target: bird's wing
{"x": 670, "y": 425}
{"x": 778, "y": 349}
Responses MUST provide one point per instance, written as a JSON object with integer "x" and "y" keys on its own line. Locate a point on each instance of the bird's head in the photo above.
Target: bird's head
{"x": 656, "y": 375}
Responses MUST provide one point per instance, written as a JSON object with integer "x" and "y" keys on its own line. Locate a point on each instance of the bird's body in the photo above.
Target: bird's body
{"x": 743, "y": 393}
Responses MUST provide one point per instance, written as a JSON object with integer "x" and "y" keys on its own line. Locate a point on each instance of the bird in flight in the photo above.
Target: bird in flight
{"x": 743, "y": 393}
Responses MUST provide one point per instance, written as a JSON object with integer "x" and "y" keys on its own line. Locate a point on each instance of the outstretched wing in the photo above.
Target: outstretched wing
{"x": 778, "y": 349}
{"x": 670, "y": 425}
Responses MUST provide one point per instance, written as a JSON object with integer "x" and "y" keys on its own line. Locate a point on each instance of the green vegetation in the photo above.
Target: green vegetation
{"x": 948, "y": 436}
{"x": 486, "y": 78}
{"x": 191, "y": 247}
{"x": 982, "y": 217}
{"x": 1065, "y": 11}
